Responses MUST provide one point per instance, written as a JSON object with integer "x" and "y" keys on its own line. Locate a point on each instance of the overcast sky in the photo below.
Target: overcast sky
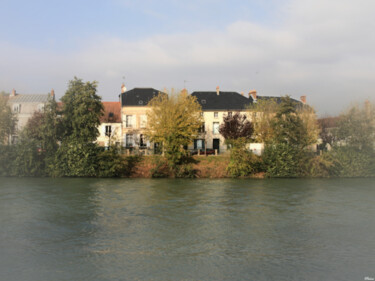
{"x": 324, "y": 49}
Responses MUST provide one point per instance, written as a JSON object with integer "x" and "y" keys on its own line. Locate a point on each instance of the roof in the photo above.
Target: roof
{"x": 21, "y": 98}
{"x": 223, "y": 101}
{"x": 138, "y": 96}
{"x": 112, "y": 112}
{"x": 278, "y": 100}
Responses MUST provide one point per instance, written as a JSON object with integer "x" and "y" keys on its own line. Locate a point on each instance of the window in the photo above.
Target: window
{"x": 143, "y": 121}
{"x": 215, "y": 128}
{"x": 140, "y": 102}
{"x": 202, "y": 128}
{"x": 216, "y": 115}
{"x": 129, "y": 121}
{"x": 199, "y": 144}
{"x": 129, "y": 141}
{"x": 108, "y": 130}
{"x": 16, "y": 108}
{"x": 142, "y": 141}
{"x": 229, "y": 114}
{"x": 203, "y": 101}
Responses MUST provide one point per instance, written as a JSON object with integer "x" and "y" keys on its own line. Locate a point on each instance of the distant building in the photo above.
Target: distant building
{"x": 110, "y": 129}
{"x": 24, "y": 106}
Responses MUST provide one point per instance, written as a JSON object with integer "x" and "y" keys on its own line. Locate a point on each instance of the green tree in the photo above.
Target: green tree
{"x": 287, "y": 153}
{"x": 82, "y": 109}
{"x": 8, "y": 120}
{"x": 174, "y": 122}
{"x": 44, "y": 129}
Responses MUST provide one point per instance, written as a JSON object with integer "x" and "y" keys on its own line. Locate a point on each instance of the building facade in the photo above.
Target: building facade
{"x": 110, "y": 129}
{"x": 24, "y": 106}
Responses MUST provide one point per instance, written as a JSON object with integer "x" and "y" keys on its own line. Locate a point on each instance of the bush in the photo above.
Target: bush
{"x": 352, "y": 162}
{"x": 284, "y": 160}
{"x": 112, "y": 164}
{"x": 243, "y": 162}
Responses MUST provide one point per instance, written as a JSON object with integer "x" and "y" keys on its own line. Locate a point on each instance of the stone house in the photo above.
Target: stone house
{"x": 24, "y": 106}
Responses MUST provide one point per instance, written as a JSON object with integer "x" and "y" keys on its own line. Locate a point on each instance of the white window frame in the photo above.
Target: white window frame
{"x": 129, "y": 140}
{"x": 129, "y": 121}
{"x": 216, "y": 114}
{"x": 143, "y": 121}
{"x": 215, "y": 128}
{"x": 16, "y": 108}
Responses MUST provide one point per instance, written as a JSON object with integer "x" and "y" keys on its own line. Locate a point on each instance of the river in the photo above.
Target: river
{"x": 142, "y": 229}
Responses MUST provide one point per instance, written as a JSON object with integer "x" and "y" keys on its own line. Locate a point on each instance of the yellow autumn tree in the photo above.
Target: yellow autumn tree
{"x": 173, "y": 122}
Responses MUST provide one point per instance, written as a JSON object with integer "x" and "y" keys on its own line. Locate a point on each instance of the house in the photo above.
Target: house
{"x": 134, "y": 106}
{"x": 110, "y": 129}
{"x": 215, "y": 106}
{"x": 24, "y": 106}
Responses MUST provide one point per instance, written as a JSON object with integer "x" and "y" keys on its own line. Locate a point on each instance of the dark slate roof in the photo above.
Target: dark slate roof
{"x": 138, "y": 96}
{"x": 223, "y": 101}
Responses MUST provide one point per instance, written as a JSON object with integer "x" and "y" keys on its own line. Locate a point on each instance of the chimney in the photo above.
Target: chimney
{"x": 242, "y": 93}
{"x": 13, "y": 94}
{"x": 303, "y": 99}
{"x": 218, "y": 90}
{"x": 52, "y": 94}
{"x": 123, "y": 88}
{"x": 184, "y": 91}
{"x": 253, "y": 94}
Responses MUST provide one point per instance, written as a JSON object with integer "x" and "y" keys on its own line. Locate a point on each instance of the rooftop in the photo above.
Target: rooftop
{"x": 138, "y": 96}
{"x": 223, "y": 101}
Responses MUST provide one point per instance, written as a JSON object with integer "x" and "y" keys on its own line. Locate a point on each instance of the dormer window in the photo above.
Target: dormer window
{"x": 203, "y": 101}
{"x": 16, "y": 108}
{"x": 140, "y": 102}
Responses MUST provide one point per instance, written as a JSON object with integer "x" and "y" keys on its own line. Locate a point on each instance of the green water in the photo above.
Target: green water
{"x": 90, "y": 229}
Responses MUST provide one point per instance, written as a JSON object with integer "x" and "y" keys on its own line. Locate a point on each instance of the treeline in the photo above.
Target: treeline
{"x": 291, "y": 132}
{"x": 60, "y": 140}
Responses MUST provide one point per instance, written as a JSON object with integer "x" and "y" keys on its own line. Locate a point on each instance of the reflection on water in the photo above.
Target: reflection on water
{"x": 89, "y": 229}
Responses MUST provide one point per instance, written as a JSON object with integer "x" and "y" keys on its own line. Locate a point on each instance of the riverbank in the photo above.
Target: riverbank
{"x": 211, "y": 167}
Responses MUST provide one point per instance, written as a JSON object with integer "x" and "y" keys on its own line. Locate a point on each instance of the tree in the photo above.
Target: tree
{"x": 7, "y": 119}
{"x": 286, "y": 152}
{"x": 356, "y": 127}
{"x": 82, "y": 109}
{"x": 174, "y": 121}
{"x": 44, "y": 129}
{"x": 238, "y": 131}
{"x": 236, "y": 127}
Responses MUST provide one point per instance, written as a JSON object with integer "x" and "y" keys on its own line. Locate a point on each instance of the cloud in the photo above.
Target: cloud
{"x": 321, "y": 49}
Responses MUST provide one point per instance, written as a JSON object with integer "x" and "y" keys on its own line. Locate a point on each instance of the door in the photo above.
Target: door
{"x": 216, "y": 144}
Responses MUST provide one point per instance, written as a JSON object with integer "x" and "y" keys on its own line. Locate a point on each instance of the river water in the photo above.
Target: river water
{"x": 141, "y": 229}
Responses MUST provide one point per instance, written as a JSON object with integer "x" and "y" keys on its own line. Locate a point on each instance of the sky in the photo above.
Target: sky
{"x": 324, "y": 49}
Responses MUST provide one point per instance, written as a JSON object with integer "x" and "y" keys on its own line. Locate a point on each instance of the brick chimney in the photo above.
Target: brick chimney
{"x": 253, "y": 94}
{"x": 242, "y": 94}
{"x": 218, "y": 90}
{"x": 52, "y": 94}
{"x": 13, "y": 94}
{"x": 303, "y": 99}
{"x": 123, "y": 88}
